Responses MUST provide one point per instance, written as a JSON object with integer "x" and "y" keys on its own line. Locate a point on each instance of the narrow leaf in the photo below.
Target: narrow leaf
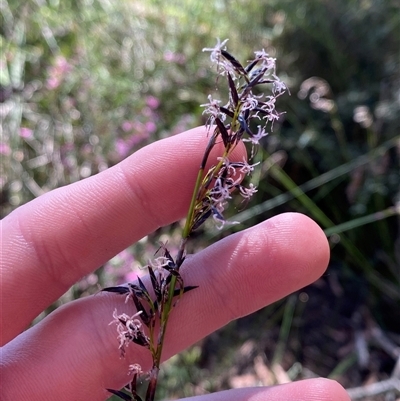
{"x": 144, "y": 316}
{"x": 141, "y": 339}
{"x": 223, "y": 131}
{"x": 135, "y": 395}
{"x": 201, "y": 219}
{"x": 235, "y": 64}
{"x": 233, "y": 91}
{"x": 254, "y": 82}
{"x": 120, "y": 394}
{"x": 143, "y": 287}
{"x": 185, "y": 289}
{"x": 226, "y": 111}
{"x": 171, "y": 265}
{"x": 155, "y": 283}
{"x": 250, "y": 66}
{"x": 243, "y": 125}
{"x": 118, "y": 290}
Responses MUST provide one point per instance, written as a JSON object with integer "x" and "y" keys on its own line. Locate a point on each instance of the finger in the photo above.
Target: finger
{"x": 305, "y": 390}
{"x": 56, "y": 239}
{"x": 74, "y": 350}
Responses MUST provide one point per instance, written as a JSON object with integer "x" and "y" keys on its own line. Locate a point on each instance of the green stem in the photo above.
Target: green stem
{"x": 151, "y": 389}
{"x": 189, "y": 218}
{"x": 167, "y": 307}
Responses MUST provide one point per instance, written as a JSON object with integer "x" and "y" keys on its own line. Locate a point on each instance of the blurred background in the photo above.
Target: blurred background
{"x": 84, "y": 83}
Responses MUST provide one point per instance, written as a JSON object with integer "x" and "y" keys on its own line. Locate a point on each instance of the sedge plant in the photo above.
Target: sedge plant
{"x": 229, "y": 122}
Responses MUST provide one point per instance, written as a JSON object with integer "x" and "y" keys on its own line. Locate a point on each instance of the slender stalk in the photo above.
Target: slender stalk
{"x": 189, "y": 218}
{"x": 167, "y": 307}
{"x": 211, "y": 192}
{"x": 152, "y": 386}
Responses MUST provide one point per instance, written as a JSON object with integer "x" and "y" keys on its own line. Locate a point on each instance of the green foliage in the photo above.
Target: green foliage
{"x": 86, "y": 82}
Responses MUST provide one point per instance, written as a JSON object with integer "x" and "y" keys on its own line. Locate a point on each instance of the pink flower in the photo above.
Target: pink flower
{"x": 25, "y": 132}
{"x": 147, "y": 112}
{"x": 67, "y": 147}
{"x": 150, "y": 127}
{"x": 127, "y": 126}
{"x": 122, "y": 148}
{"x": 53, "y": 83}
{"x": 86, "y": 149}
{"x": 172, "y": 57}
{"x": 57, "y": 72}
{"x": 152, "y": 102}
{"x": 137, "y": 138}
{"x": 4, "y": 149}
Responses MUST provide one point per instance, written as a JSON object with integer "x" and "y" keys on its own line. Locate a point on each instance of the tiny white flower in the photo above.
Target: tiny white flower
{"x": 255, "y": 139}
{"x": 216, "y": 50}
{"x": 269, "y": 104}
{"x": 278, "y": 87}
{"x": 135, "y": 369}
{"x": 248, "y": 168}
{"x": 159, "y": 265}
{"x": 128, "y": 327}
{"x": 213, "y": 110}
{"x": 220, "y": 191}
{"x": 261, "y": 54}
{"x": 225, "y": 68}
{"x": 251, "y": 102}
{"x": 267, "y": 62}
{"x": 159, "y": 262}
{"x": 248, "y": 192}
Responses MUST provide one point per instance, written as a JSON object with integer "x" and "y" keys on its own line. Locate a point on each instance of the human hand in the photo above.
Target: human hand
{"x": 53, "y": 241}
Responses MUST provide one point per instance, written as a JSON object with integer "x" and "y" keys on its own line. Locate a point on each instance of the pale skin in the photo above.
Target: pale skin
{"x": 53, "y": 241}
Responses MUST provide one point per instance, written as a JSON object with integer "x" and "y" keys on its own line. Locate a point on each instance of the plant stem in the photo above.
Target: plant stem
{"x": 151, "y": 389}
{"x": 167, "y": 307}
{"x": 189, "y": 218}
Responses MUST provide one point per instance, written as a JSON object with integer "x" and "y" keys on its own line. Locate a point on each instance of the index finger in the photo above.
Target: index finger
{"x": 53, "y": 241}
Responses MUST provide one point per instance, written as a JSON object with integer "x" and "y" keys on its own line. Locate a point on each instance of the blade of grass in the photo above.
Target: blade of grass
{"x": 284, "y": 330}
{"x": 354, "y": 252}
{"x": 343, "y": 366}
{"x": 362, "y": 221}
{"x": 317, "y": 181}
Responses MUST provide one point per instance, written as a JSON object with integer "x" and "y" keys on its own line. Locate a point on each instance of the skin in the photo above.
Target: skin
{"x": 55, "y": 240}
